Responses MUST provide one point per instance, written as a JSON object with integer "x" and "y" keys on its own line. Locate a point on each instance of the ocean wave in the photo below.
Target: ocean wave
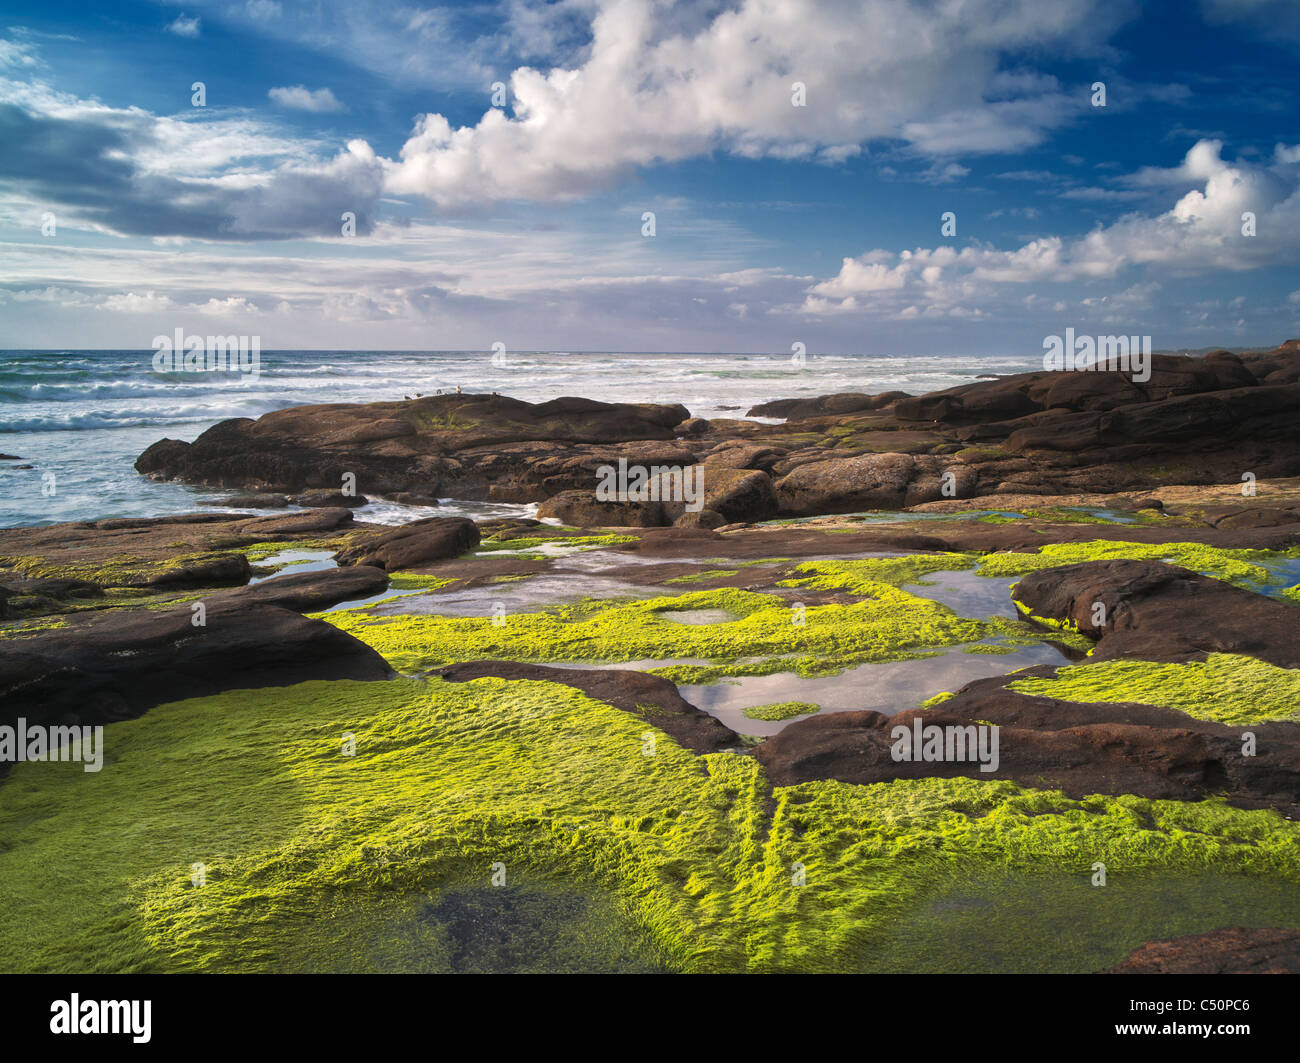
{"x": 194, "y": 413}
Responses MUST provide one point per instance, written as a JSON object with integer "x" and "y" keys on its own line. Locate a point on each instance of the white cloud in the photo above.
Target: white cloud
{"x": 654, "y": 90}
{"x": 185, "y": 27}
{"x": 204, "y": 174}
{"x": 301, "y": 98}
{"x": 1202, "y": 232}
{"x": 16, "y": 54}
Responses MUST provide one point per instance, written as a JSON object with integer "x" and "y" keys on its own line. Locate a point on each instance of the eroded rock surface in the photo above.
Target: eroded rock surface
{"x": 1232, "y": 950}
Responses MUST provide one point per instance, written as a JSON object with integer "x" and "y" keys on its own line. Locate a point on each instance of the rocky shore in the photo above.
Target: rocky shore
{"x": 666, "y": 699}
{"x": 1210, "y": 420}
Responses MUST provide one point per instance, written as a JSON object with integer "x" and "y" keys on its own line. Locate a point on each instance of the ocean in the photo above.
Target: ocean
{"x": 73, "y": 422}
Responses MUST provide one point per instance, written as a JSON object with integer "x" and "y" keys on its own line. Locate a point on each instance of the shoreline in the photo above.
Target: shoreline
{"x": 609, "y": 698}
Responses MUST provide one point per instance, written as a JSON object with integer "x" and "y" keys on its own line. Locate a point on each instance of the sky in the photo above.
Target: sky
{"x": 959, "y": 177}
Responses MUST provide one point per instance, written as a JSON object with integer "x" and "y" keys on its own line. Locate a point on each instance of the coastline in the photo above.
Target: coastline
{"x": 676, "y": 722}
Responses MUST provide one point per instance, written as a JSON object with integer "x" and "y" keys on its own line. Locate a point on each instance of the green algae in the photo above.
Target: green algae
{"x": 311, "y": 858}
{"x": 1232, "y": 566}
{"x": 970, "y": 925}
{"x": 699, "y": 577}
{"x": 865, "y": 575}
{"x": 122, "y": 570}
{"x": 781, "y": 710}
{"x": 260, "y": 551}
{"x": 977, "y": 454}
{"x": 814, "y": 640}
{"x": 1076, "y": 515}
{"x": 1227, "y": 688}
{"x": 418, "y": 581}
{"x": 1052, "y": 514}
{"x": 578, "y": 542}
{"x": 1292, "y": 594}
{"x": 17, "y": 629}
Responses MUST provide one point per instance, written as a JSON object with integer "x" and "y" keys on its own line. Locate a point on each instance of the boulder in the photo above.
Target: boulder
{"x": 584, "y": 510}
{"x": 847, "y": 485}
{"x": 1161, "y": 612}
{"x": 116, "y": 665}
{"x": 326, "y": 499}
{"x": 409, "y": 545}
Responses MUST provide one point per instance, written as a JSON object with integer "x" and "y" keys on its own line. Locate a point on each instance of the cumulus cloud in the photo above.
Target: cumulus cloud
{"x": 654, "y": 90}
{"x": 301, "y": 98}
{"x": 1207, "y": 229}
{"x": 184, "y": 27}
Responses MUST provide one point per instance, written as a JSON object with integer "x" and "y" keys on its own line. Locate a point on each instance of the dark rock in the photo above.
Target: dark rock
{"x": 1259, "y": 517}
{"x": 584, "y": 510}
{"x": 1079, "y": 748}
{"x": 417, "y": 543}
{"x": 693, "y": 426}
{"x": 113, "y": 666}
{"x": 1232, "y": 950}
{"x": 60, "y": 589}
{"x": 325, "y": 499}
{"x": 1195, "y": 421}
{"x": 705, "y": 518}
{"x": 1160, "y": 612}
{"x": 842, "y": 402}
{"x": 307, "y": 592}
{"x": 739, "y": 494}
{"x": 252, "y": 501}
{"x": 466, "y": 445}
{"x": 650, "y": 697}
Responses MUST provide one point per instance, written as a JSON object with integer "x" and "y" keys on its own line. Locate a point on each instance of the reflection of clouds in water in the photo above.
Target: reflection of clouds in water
{"x": 887, "y": 687}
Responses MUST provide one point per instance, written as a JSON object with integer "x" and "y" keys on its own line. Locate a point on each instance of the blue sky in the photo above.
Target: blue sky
{"x": 774, "y": 223}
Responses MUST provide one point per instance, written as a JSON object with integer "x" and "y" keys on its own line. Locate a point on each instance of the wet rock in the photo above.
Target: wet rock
{"x": 113, "y": 666}
{"x": 650, "y": 697}
{"x": 1079, "y": 748}
{"x": 740, "y": 455}
{"x": 308, "y": 592}
{"x": 1161, "y": 612}
{"x": 1232, "y": 950}
{"x": 313, "y": 520}
{"x": 705, "y": 518}
{"x": 418, "y": 543}
{"x": 1202, "y": 421}
{"x": 584, "y": 510}
{"x": 1259, "y": 517}
{"x": 739, "y": 494}
{"x": 415, "y": 498}
{"x": 842, "y": 402}
{"x": 471, "y": 446}
{"x": 252, "y": 501}
{"x": 324, "y": 499}
{"x": 847, "y": 485}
